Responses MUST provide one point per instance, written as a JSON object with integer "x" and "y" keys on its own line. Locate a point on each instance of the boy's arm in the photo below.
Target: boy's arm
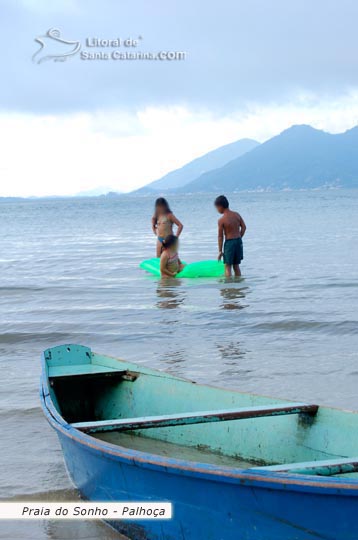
{"x": 178, "y": 223}
{"x": 220, "y": 238}
{"x": 163, "y": 266}
{"x": 242, "y": 226}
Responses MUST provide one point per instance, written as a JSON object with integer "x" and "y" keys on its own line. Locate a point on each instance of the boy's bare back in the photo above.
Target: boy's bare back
{"x": 232, "y": 225}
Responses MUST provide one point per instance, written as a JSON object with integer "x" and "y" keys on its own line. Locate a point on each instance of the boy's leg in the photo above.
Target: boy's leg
{"x": 227, "y": 257}
{"x": 237, "y": 270}
{"x": 228, "y": 270}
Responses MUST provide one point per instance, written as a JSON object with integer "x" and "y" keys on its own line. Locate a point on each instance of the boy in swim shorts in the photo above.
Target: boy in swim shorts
{"x": 232, "y": 227}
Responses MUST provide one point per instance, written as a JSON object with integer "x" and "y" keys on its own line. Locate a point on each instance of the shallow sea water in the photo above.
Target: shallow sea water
{"x": 69, "y": 273}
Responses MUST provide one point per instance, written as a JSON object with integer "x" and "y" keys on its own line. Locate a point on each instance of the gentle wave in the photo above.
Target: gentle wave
{"x": 14, "y": 413}
{"x": 23, "y": 337}
{"x": 294, "y": 325}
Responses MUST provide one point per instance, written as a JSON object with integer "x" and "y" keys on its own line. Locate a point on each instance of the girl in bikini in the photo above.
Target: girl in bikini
{"x": 163, "y": 221}
{"x": 170, "y": 263}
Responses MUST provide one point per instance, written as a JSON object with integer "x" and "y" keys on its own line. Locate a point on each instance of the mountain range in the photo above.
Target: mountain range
{"x": 300, "y": 157}
{"x": 212, "y": 160}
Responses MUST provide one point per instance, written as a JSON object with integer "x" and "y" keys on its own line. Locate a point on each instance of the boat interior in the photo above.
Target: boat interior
{"x": 142, "y": 409}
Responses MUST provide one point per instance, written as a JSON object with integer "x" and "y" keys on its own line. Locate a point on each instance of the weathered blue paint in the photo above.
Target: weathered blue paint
{"x": 212, "y": 502}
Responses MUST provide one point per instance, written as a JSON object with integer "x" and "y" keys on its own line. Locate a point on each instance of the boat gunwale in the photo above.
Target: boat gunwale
{"x": 247, "y": 477}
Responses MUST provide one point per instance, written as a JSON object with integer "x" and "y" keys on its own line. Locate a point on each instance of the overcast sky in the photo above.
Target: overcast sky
{"x": 251, "y": 69}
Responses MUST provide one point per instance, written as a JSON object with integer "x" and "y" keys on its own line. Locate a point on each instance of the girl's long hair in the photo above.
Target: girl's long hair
{"x": 163, "y": 203}
{"x": 169, "y": 241}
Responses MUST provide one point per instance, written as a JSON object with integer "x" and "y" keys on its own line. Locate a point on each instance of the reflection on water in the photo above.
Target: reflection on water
{"x": 234, "y": 361}
{"x": 171, "y": 296}
{"x": 172, "y": 359}
{"x": 170, "y": 293}
{"x": 231, "y": 352}
{"x": 233, "y": 296}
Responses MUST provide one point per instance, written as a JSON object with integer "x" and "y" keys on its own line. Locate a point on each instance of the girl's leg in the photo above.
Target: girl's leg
{"x": 159, "y": 248}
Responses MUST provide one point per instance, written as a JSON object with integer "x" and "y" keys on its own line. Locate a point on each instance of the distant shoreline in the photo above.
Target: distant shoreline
{"x": 112, "y": 195}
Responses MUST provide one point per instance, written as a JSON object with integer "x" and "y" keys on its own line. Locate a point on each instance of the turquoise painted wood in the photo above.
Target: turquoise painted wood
{"x": 287, "y": 475}
{"x": 327, "y": 467}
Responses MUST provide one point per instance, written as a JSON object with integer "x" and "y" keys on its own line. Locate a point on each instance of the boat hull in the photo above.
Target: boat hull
{"x": 208, "y": 507}
{"x": 210, "y": 501}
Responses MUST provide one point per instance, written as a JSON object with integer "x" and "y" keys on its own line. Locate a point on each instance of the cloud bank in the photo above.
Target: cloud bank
{"x": 237, "y": 51}
{"x": 251, "y": 70}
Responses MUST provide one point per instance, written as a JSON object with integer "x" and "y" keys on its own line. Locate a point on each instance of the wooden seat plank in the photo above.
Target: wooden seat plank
{"x": 147, "y": 422}
{"x": 94, "y": 373}
{"x": 328, "y": 467}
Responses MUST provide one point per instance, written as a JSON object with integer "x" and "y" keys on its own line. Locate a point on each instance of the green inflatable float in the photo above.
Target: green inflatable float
{"x": 198, "y": 269}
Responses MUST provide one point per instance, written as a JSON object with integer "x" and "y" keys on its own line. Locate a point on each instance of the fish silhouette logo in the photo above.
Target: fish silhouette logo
{"x": 54, "y": 47}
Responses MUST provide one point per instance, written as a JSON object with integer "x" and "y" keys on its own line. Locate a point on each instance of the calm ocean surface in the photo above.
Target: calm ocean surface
{"x": 69, "y": 273}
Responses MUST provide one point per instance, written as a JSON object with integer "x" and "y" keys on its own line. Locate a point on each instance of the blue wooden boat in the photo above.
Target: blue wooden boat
{"x": 235, "y": 466}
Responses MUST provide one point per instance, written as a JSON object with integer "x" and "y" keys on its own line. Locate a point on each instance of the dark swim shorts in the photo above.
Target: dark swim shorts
{"x": 233, "y": 251}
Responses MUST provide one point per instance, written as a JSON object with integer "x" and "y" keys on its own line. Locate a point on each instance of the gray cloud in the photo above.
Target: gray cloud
{"x": 238, "y": 52}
